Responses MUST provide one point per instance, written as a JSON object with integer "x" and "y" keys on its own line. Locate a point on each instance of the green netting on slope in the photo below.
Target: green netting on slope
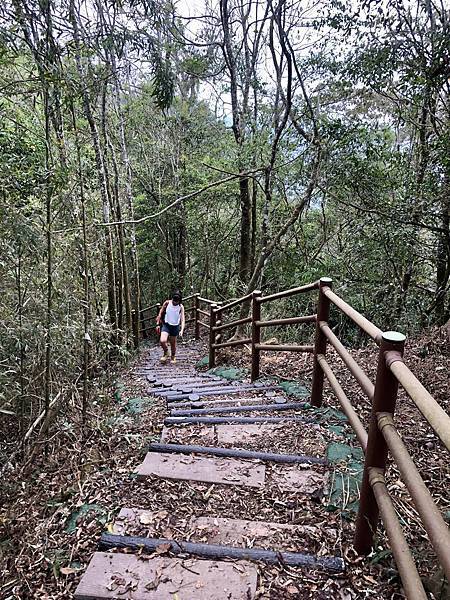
{"x": 231, "y": 373}
{"x": 83, "y": 510}
{"x": 346, "y": 478}
{"x": 135, "y": 406}
{"x": 294, "y": 388}
{"x": 203, "y": 362}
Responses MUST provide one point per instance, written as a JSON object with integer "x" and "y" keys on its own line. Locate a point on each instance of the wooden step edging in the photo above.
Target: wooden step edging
{"x": 216, "y": 551}
{"x": 233, "y": 409}
{"x": 230, "y": 420}
{"x": 236, "y": 453}
{"x": 220, "y": 392}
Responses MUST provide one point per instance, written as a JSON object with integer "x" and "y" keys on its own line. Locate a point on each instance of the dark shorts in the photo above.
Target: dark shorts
{"x": 172, "y": 330}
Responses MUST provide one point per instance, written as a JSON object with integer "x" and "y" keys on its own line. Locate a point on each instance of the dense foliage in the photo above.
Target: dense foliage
{"x": 256, "y": 145}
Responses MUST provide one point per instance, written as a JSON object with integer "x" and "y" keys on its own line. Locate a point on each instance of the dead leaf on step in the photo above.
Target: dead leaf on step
{"x": 163, "y": 548}
{"x": 146, "y": 518}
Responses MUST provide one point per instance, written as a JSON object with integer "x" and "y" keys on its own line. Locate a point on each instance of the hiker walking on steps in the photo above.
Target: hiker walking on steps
{"x": 171, "y": 322}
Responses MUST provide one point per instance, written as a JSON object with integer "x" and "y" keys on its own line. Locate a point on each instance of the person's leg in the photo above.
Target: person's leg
{"x": 163, "y": 342}
{"x": 173, "y": 346}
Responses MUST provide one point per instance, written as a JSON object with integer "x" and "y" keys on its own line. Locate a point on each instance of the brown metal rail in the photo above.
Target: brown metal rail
{"x": 411, "y": 581}
{"x": 239, "y": 342}
{"x": 345, "y": 403}
{"x": 372, "y": 330}
{"x": 432, "y": 519}
{"x": 233, "y": 303}
{"x": 284, "y": 348}
{"x": 433, "y": 413}
{"x": 232, "y": 324}
{"x": 292, "y": 292}
{"x": 364, "y": 382}
{"x": 290, "y": 321}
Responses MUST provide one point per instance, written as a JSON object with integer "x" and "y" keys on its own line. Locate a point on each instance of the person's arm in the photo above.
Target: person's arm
{"x": 182, "y": 320}
{"x": 161, "y": 311}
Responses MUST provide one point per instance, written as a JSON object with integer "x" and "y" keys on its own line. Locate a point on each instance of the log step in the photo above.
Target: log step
{"x": 228, "y": 471}
{"x": 216, "y": 551}
{"x": 220, "y": 392}
{"x": 162, "y": 578}
{"x": 234, "y": 420}
{"x": 235, "y": 409}
{"x": 236, "y": 453}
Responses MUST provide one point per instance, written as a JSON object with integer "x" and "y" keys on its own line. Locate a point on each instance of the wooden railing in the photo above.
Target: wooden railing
{"x": 382, "y": 435}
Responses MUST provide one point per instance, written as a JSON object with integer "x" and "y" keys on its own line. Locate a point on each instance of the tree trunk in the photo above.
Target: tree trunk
{"x": 100, "y": 171}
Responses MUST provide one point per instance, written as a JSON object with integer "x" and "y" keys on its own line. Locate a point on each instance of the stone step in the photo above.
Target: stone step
{"x": 161, "y": 578}
{"x": 218, "y": 530}
{"x": 203, "y": 434}
{"x": 228, "y": 471}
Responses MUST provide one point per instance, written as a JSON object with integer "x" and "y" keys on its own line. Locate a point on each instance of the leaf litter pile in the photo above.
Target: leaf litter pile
{"x": 54, "y": 510}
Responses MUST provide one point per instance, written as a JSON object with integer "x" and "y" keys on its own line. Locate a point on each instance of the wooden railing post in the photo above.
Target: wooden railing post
{"x": 196, "y": 309}
{"x": 142, "y": 317}
{"x": 385, "y": 396}
{"x": 158, "y": 308}
{"x": 218, "y": 321}
{"x": 320, "y": 344}
{"x": 212, "y": 336}
{"x": 256, "y": 333}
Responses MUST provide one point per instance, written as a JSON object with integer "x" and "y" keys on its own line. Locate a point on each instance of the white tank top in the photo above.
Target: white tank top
{"x": 173, "y": 314}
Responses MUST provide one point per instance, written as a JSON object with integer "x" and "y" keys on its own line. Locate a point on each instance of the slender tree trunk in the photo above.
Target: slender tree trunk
{"x": 21, "y": 342}
{"x": 48, "y": 224}
{"x": 443, "y": 255}
{"x": 103, "y": 185}
{"x": 84, "y": 260}
{"x": 136, "y": 292}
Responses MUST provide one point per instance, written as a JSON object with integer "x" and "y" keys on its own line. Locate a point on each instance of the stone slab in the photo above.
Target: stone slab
{"x": 228, "y": 471}
{"x": 144, "y": 578}
{"x": 294, "y": 478}
{"x": 238, "y": 532}
{"x": 129, "y": 520}
{"x": 204, "y": 435}
{"x": 235, "y": 434}
{"x": 222, "y": 531}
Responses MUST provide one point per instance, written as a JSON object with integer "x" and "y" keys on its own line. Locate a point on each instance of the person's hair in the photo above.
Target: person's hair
{"x": 176, "y": 295}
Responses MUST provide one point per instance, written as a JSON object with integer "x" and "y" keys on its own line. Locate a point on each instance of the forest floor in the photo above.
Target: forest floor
{"x": 53, "y": 511}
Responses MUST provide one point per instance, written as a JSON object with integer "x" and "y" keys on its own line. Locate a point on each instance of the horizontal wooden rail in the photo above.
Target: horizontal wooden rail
{"x": 149, "y": 307}
{"x": 220, "y": 309}
{"x": 232, "y": 324}
{"x": 207, "y": 300}
{"x": 372, "y": 330}
{"x": 290, "y": 321}
{"x": 203, "y": 312}
{"x": 190, "y": 320}
{"x": 364, "y": 382}
{"x": 411, "y": 581}
{"x": 292, "y": 292}
{"x": 143, "y": 319}
{"x": 240, "y": 342}
{"x": 206, "y": 325}
{"x": 284, "y": 348}
{"x": 189, "y": 297}
{"x": 432, "y": 519}
{"x": 345, "y": 403}
{"x": 431, "y": 410}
